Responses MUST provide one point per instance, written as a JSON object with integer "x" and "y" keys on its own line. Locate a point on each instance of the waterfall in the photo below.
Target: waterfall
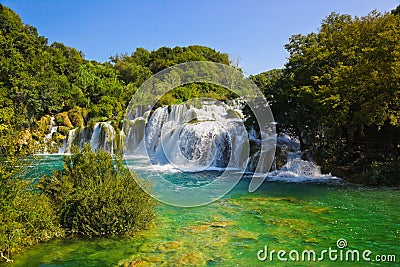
{"x": 84, "y": 136}
{"x": 195, "y": 137}
{"x": 297, "y": 169}
{"x": 52, "y": 129}
{"x": 95, "y": 139}
{"x": 69, "y": 141}
{"x": 190, "y": 136}
{"x": 103, "y": 137}
{"x": 49, "y": 143}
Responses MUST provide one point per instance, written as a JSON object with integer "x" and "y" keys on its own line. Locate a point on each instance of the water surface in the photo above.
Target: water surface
{"x": 230, "y": 231}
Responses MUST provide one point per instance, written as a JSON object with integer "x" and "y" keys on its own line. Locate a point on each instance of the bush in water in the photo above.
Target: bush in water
{"x": 94, "y": 196}
{"x": 26, "y": 216}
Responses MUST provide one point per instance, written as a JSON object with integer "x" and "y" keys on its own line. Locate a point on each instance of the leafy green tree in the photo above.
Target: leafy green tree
{"x": 342, "y": 87}
{"x": 96, "y": 80}
{"x": 396, "y": 11}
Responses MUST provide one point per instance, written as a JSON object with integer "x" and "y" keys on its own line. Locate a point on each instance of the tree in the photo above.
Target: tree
{"x": 344, "y": 81}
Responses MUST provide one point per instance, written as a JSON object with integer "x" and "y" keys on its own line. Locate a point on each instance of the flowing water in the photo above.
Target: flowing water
{"x": 230, "y": 231}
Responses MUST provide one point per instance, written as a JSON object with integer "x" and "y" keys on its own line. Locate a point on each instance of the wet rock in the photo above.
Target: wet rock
{"x": 192, "y": 259}
{"x": 311, "y": 240}
{"x": 219, "y": 224}
{"x": 244, "y": 235}
{"x": 322, "y": 210}
{"x": 168, "y": 246}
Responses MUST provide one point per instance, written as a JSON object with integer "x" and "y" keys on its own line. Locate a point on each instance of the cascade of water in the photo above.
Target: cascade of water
{"x": 193, "y": 137}
{"x": 61, "y": 150}
{"x": 190, "y": 136}
{"x": 69, "y": 141}
{"x": 297, "y": 169}
{"x": 48, "y": 142}
{"x": 109, "y": 136}
{"x": 95, "y": 139}
{"x": 52, "y": 129}
{"x": 84, "y": 136}
{"x": 103, "y": 137}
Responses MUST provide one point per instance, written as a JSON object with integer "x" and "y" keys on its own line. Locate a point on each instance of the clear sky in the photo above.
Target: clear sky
{"x": 253, "y": 32}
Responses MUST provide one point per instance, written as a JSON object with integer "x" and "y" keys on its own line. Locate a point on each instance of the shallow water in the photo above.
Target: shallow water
{"x": 230, "y": 231}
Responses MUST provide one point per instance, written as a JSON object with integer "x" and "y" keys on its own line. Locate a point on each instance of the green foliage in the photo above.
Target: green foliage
{"x": 37, "y": 76}
{"x": 142, "y": 61}
{"x": 38, "y": 79}
{"x": 340, "y": 90}
{"x": 62, "y": 119}
{"x": 385, "y": 172}
{"x": 26, "y": 216}
{"x": 396, "y": 11}
{"x": 108, "y": 107}
{"x": 94, "y": 197}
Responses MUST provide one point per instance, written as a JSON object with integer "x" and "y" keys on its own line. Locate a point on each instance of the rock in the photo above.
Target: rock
{"x": 311, "y": 240}
{"x": 192, "y": 259}
{"x": 244, "y": 235}
{"x": 62, "y": 119}
{"x": 218, "y": 224}
{"x": 168, "y": 246}
{"x": 137, "y": 263}
{"x": 77, "y": 116}
{"x": 319, "y": 210}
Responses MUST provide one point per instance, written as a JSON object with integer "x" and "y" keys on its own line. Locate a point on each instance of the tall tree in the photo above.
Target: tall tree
{"x": 345, "y": 83}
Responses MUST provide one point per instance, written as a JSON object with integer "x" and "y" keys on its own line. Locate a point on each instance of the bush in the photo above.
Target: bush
{"x": 26, "y": 216}
{"x": 385, "y": 172}
{"x": 95, "y": 197}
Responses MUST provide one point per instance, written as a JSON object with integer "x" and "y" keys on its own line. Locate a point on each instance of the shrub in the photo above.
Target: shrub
{"x": 26, "y": 216}
{"x": 385, "y": 172}
{"x": 95, "y": 196}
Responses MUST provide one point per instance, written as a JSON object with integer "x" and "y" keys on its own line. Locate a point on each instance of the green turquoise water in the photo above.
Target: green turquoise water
{"x": 230, "y": 231}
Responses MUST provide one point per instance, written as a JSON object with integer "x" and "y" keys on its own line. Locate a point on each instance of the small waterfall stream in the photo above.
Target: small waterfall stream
{"x": 103, "y": 137}
{"x": 52, "y": 130}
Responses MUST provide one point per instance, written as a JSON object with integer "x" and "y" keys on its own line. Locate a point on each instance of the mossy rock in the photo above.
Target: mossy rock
{"x": 192, "y": 258}
{"x": 63, "y": 130}
{"x": 169, "y": 246}
{"x": 62, "y": 119}
{"x": 311, "y": 240}
{"x": 323, "y": 210}
{"x": 78, "y": 116}
{"x": 58, "y": 137}
{"x": 233, "y": 114}
{"x": 280, "y": 158}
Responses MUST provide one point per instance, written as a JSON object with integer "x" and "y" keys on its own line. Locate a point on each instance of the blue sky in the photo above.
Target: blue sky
{"x": 253, "y": 32}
